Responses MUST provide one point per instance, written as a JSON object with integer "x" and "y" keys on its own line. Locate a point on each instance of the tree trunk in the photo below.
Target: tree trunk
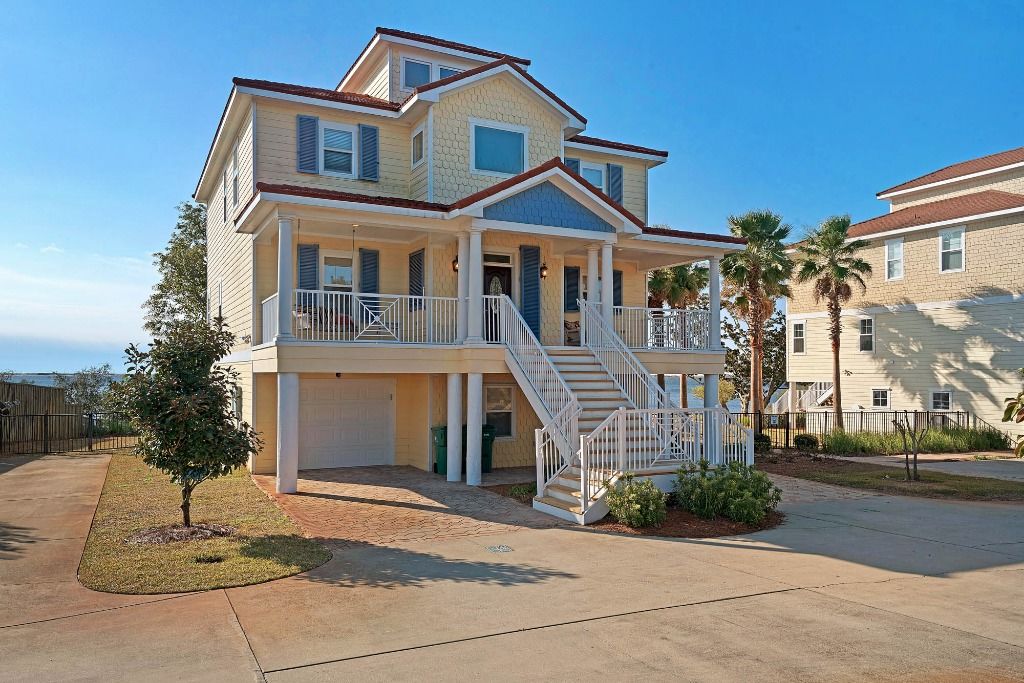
{"x": 684, "y": 400}
{"x": 835, "y": 332}
{"x": 756, "y": 368}
{"x": 186, "y": 504}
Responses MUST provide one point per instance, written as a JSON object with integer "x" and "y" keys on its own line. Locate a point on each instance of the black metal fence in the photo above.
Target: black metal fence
{"x": 58, "y": 433}
{"x": 782, "y": 428}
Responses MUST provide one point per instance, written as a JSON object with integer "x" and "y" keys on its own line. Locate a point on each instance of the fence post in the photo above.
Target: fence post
{"x": 46, "y": 432}
{"x": 622, "y": 438}
{"x": 787, "y": 414}
{"x": 89, "y": 431}
{"x": 760, "y": 426}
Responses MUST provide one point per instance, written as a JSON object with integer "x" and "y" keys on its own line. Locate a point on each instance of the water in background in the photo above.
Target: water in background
{"x": 672, "y": 383}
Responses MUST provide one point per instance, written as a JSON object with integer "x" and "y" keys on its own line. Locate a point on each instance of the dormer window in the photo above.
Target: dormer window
{"x": 415, "y": 73}
{"x": 497, "y": 148}
{"x": 593, "y": 174}
{"x": 446, "y": 71}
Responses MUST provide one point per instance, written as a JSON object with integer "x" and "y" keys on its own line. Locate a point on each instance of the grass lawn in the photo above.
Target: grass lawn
{"x": 267, "y": 545}
{"x": 891, "y": 479}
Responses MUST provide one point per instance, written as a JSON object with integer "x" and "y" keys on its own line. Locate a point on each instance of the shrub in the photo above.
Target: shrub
{"x": 738, "y": 492}
{"x": 950, "y": 440}
{"x": 806, "y": 442}
{"x": 637, "y": 503}
{"x": 762, "y": 443}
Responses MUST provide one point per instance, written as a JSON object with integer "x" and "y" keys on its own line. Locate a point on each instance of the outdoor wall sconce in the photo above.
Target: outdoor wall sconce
{"x": 543, "y": 271}
{"x": 455, "y": 264}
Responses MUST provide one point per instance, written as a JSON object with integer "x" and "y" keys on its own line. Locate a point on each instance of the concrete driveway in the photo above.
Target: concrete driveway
{"x": 852, "y": 587}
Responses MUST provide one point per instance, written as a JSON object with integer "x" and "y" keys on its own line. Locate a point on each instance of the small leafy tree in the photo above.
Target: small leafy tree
{"x": 181, "y": 292}
{"x": 912, "y": 436}
{"x": 726, "y": 392}
{"x": 180, "y": 402}
{"x": 88, "y": 388}
{"x": 1015, "y": 413}
{"x": 736, "y": 338}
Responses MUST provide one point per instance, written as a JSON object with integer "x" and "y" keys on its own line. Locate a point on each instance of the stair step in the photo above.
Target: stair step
{"x": 558, "y": 503}
{"x": 567, "y": 494}
{"x": 584, "y": 377}
{"x": 597, "y": 393}
{"x": 578, "y": 367}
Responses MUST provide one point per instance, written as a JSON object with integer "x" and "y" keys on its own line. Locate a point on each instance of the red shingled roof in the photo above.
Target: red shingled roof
{"x": 337, "y": 195}
{"x": 986, "y": 163}
{"x": 441, "y": 42}
{"x": 669, "y": 232}
{"x": 507, "y": 61}
{"x": 318, "y": 93}
{"x": 963, "y": 206}
{"x": 598, "y": 142}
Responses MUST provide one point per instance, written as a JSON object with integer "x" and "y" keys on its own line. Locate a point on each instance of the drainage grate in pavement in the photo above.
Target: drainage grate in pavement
{"x": 499, "y": 549}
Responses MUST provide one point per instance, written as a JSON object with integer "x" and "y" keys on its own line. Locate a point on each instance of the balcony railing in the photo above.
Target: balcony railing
{"x": 663, "y": 329}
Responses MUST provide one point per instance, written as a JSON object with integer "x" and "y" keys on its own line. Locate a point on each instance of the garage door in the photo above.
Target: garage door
{"x": 345, "y": 422}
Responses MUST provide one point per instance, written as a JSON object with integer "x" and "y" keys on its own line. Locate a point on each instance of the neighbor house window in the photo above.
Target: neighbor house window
{"x": 417, "y": 146}
{"x": 879, "y": 398}
{"x": 338, "y": 149}
{"x": 497, "y": 148}
{"x": 446, "y": 71}
{"x": 414, "y": 73}
{"x": 951, "y": 250}
{"x": 867, "y": 334}
{"x": 799, "y": 331}
{"x": 234, "y": 175}
{"x": 499, "y": 403}
{"x": 337, "y": 272}
{"x": 893, "y": 259}
{"x": 593, "y": 174}
{"x": 942, "y": 400}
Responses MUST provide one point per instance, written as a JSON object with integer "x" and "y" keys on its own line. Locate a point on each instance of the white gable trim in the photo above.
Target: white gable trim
{"x": 549, "y": 230}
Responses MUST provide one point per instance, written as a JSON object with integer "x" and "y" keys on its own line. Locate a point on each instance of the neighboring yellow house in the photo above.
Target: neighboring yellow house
{"x": 941, "y": 326}
{"x": 412, "y": 249}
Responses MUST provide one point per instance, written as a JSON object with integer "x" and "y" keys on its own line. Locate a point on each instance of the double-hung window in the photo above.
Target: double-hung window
{"x": 499, "y": 403}
{"x": 951, "y": 250}
{"x": 497, "y": 148}
{"x": 893, "y": 259}
{"x": 879, "y": 398}
{"x": 867, "y": 335}
{"x": 593, "y": 174}
{"x": 338, "y": 149}
{"x": 415, "y": 73}
{"x": 799, "y": 338}
{"x": 941, "y": 400}
{"x": 417, "y": 147}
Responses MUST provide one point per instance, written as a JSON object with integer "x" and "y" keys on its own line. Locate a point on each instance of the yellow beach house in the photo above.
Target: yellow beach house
{"x": 436, "y": 242}
{"x": 941, "y": 325}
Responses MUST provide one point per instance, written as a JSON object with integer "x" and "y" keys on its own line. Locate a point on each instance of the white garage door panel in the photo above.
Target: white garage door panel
{"x": 345, "y": 422}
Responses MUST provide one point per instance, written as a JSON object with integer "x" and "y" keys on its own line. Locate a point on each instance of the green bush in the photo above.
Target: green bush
{"x": 762, "y": 443}
{"x": 806, "y": 442}
{"x": 637, "y": 503}
{"x": 738, "y": 492}
{"x": 950, "y": 440}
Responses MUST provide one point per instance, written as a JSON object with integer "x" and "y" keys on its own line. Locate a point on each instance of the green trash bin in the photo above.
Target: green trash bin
{"x": 486, "y": 448}
{"x": 439, "y": 436}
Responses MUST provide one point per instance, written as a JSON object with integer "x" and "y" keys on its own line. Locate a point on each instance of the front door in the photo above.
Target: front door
{"x": 497, "y": 281}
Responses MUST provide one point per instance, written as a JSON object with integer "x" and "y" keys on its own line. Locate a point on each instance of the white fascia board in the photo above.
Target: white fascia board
{"x": 949, "y": 181}
{"x": 924, "y": 306}
{"x": 941, "y": 224}
{"x": 653, "y": 158}
{"x": 317, "y": 102}
{"x": 442, "y": 50}
{"x": 571, "y": 120}
{"x": 229, "y": 111}
{"x": 709, "y": 244}
{"x": 359, "y": 62}
{"x": 548, "y": 230}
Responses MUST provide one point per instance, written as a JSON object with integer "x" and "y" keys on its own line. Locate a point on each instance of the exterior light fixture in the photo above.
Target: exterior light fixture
{"x": 455, "y": 264}
{"x": 543, "y": 270}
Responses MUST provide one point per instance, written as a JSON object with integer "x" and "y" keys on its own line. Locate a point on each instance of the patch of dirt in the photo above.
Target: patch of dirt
{"x": 520, "y": 494}
{"x": 681, "y": 523}
{"x": 176, "y": 532}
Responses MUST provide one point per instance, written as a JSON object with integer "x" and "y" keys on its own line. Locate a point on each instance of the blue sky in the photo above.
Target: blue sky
{"x": 106, "y": 113}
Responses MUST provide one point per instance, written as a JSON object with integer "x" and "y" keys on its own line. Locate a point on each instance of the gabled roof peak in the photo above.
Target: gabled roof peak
{"x": 451, "y": 45}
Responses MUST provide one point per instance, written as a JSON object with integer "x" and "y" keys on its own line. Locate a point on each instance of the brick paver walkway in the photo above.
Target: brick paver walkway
{"x": 797, "y": 491}
{"x": 385, "y": 505}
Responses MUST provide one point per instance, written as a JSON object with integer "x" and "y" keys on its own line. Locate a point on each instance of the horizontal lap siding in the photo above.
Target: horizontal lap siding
{"x": 634, "y": 178}
{"x": 377, "y": 85}
{"x": 276, "y": 146}
{"x": 992, "y": 259}
{"x": 974, "y": 351}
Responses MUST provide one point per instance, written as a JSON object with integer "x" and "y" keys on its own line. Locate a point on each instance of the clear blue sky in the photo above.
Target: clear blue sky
{"x": 106, "y": 114}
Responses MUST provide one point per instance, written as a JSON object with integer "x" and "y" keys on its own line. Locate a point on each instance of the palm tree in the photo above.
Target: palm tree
{"x": 828, "y": 257}
{"x": 679, "y": 287}
{"x": 757, "y": 277}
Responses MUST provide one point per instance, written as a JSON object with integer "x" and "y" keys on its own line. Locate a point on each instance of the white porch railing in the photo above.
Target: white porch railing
{"x": 268, "y": 317}
{"x": 319, "y": 315}
{"x": 663, "y": 329}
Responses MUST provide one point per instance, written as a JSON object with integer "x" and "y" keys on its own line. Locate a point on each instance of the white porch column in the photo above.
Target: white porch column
{"x": 454, "y": 426}
{"x": 792, "y": 395}
{"x": 593, "y": 274}
{"x": 607, "y": 289}
{"x": 474, "y": 427}
{"x": 285, "y": 277}
{"x": 287, "y": 432}
{"x": 712, "y": 438}
{"x": 715, "y": 297}
{"x": 711, "y": 391}
{"x": 476, "y": 287}
{"x": 463, "y": 289}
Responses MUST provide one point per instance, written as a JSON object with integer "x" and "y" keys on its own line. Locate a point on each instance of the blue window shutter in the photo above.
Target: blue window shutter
{"x": 573, "y": 164}
{"x": 369, "y": 271}
{"x": 615, "y": 182}
{"x": 616, "y": 288}
{"x": 308, "y": 271}
{"x": 529, "y": 273}
{"x": 369, "y": 153}
{"x": 307, "y": 130}
{"x": 572, "y": 288}
{"x": 416, "y": 279}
